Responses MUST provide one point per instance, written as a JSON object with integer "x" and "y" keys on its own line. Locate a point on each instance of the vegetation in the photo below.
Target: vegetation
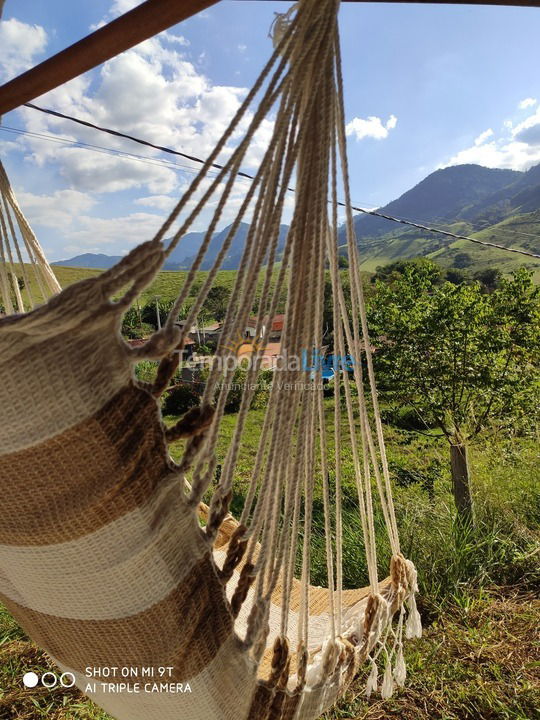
{"x": 464, "y": 360}
{"x": 457, "y": 365}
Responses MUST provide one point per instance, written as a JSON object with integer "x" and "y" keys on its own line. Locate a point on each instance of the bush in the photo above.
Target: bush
{"x": 404, "y": 417}
{"x": 262, "y": 393}
{"x": 149, "y": 312}
{"x": 133, "y": 328}
{"x": 145, "y": 371}
{"x": 181, "y": 398}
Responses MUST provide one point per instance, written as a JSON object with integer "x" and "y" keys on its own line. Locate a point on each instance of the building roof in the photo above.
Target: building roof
{"x": 269, "y": 355}
{"x": 277, "y": 322}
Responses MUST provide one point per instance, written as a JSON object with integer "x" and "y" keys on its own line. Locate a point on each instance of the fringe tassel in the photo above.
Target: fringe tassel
{"x": 373, "y": 679}
{"x": 387, "y": 689}
{"x": 400, "y": 670}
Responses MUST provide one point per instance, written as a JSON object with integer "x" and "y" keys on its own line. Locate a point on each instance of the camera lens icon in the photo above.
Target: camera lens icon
{"x": 30, "y": 679}
{"x": 49, "y": 679}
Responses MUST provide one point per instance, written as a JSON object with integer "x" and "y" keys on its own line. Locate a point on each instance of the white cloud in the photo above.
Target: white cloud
{"x": 159, "y": 202}
{"x": 372, "y": 127}
{"x": 57, "y": 210}
{"x": 517, "y": 148}
{"x": 119, "y": 7}
{"x": 483, "y": 136}
{"x": 152, "y": 91}
{"x": 19, "y": 44}
{"x": 132, "y": 229}
{"x": 528, "y": 131}
{"x": 527, "y": 103}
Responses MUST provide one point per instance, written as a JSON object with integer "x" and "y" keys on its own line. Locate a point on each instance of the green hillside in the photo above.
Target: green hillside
{"x": 504, "y": 233}
{"x": 166, "y": 286}
{"x": 502, "y": 207}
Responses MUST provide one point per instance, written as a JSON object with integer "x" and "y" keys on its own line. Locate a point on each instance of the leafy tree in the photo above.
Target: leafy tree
{"x": 150, "y": 312}
{"x": 394, "y": 271}
{"x": 216, "y": 302}
{"x": 132, "y": 325}
{"x": 462, "y": 358}
{"x": 490, "y": 278}
{"x": 457, "y": 277}
{"x": 181, "y": 397}
{"x": 462, "y": 260}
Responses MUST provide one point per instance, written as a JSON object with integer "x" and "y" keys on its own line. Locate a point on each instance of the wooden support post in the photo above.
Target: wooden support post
{"x": 461, "y": 481}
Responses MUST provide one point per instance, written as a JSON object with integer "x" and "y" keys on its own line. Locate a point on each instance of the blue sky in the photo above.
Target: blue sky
{"x": 426, "y": 86}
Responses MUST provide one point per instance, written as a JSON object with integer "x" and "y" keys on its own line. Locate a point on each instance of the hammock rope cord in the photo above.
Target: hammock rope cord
{"x": 15, "y": 232}
{"x": 187, "y": 584}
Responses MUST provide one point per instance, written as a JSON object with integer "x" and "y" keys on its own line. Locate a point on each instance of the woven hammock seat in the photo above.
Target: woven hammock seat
{"x": 112, "y": 555}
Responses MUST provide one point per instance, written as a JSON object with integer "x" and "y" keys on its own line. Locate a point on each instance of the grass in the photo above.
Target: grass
{"x": 480, "y": 654}
{"x": 479, "y": 660}
{"x": 518, "y": 231}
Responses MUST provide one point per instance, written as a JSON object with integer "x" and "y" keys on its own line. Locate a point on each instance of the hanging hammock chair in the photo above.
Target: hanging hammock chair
{"x": 109, "y": 558}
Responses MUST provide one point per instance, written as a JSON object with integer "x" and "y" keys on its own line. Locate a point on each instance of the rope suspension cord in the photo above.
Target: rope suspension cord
{"x": 234, "y": 322}
{"x": 218, "y": 599}
{"x": 240, "y": 173}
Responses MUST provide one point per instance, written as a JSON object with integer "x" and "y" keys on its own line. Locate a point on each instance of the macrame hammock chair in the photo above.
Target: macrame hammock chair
{"x": 108, "y": 555}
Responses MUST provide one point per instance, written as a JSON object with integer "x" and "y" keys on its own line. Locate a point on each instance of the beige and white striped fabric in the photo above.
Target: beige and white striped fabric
{"x": 102, "y": 560}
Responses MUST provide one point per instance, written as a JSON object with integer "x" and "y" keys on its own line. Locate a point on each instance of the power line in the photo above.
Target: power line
{"x": 158, "y": 162}
{"x": 116, "y": 133}
{"x": 456, "y": 236}
{"x": 375, "y": 213}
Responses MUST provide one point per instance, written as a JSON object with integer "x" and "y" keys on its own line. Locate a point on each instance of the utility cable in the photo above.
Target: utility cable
{"x": 374, "y": 213}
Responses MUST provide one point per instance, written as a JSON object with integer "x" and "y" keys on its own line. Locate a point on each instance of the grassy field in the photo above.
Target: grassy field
{"x": 166, "y": 286}
{"x": 479, "y": 658}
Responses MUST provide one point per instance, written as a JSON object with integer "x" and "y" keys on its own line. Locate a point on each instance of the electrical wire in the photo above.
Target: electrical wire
{"x": 159, "y": 162}
{"x": 374, "y": 213}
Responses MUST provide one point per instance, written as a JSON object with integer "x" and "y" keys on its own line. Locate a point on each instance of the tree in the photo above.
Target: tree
{"x": 490, "y": 278}
{"x": 462, "y": 260}
{"x": 131, "y": 323}
{"x": 395, "y": 270}
{"x": 462, "y": 358}
{"x": 149, "y": 312}
{"x": 216, "y": 302}
{"x": 457, "y": 277}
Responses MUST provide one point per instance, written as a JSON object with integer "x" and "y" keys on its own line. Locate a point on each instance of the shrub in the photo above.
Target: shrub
{"x": 181, "y": 398}
{"x": 145, "y": 371}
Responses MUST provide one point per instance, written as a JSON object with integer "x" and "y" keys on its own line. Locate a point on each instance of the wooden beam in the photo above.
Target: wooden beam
{"x": 141, "y": 23}
{"x": 517, "y": 3}
{"x": 144, "y": 21}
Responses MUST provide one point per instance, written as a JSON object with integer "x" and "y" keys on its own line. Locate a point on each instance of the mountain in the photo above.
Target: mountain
{"x": 90, "y": 260}
{"x": 467, "y": 200}
{"x": 442, "y": 196}
{"x": 184, "y": 254}
{"x": 233, "y": 258}
{"x": 501, "y": 206}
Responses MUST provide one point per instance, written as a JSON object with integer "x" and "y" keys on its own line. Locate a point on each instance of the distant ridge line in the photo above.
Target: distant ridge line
{"x": 401, "y": 221}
